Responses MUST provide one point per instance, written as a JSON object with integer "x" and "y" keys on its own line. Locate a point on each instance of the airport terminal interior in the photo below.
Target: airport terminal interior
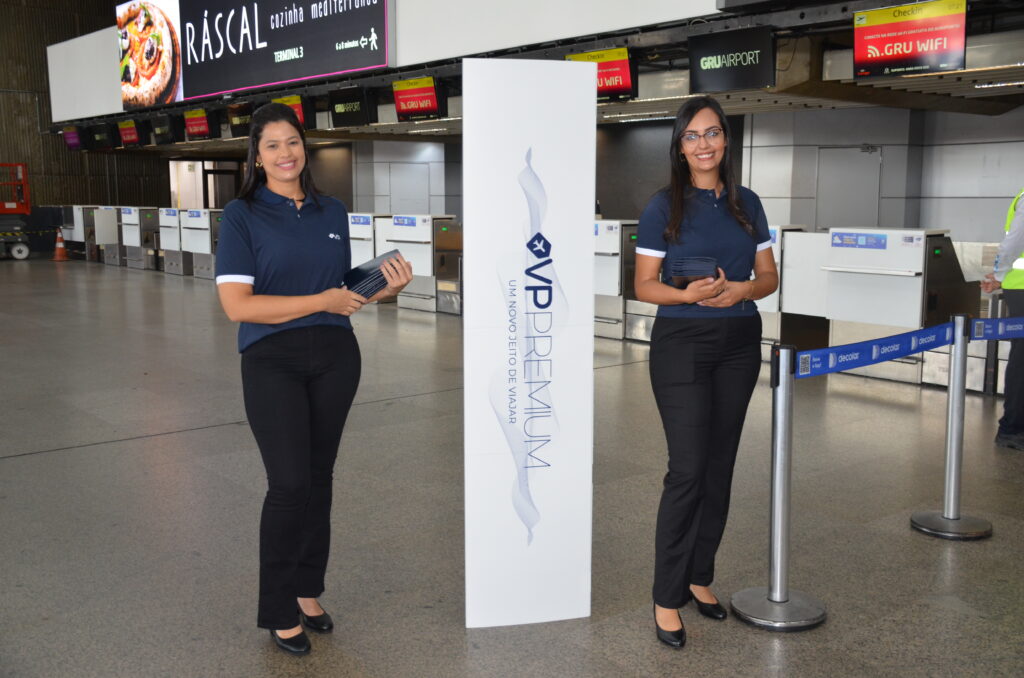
{"x": 130, "y": 481}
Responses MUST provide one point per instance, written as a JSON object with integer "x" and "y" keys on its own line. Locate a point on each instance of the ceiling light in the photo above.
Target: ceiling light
{"x": 1019, "y": 83}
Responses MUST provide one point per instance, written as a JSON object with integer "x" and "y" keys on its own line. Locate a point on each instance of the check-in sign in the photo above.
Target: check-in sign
{"x": 614, "y": 73}
{"x": 925, "y": 37}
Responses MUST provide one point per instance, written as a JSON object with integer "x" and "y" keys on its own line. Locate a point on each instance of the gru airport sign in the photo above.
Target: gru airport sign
{"x": 175, "y": 50}
{"x": 743, "y": 59}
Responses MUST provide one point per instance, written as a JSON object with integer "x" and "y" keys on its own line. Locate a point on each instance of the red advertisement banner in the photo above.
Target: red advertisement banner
{"x": 415, "y": 98}
{"x": 196, "y": 123}
{"x": 613, "y": 78}
{"x": 129, "y": 133}
{"x": 926, "y": 41}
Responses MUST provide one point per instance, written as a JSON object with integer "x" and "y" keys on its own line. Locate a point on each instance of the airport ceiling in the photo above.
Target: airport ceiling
{"x": 814, "y": 43}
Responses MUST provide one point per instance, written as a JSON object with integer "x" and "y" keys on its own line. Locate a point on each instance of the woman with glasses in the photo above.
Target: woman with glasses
{"x": 700, "y": 240}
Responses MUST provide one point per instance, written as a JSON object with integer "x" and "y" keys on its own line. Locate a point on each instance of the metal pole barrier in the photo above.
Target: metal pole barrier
{"x": 949, "y": 524}
{"x": 776, "y": 607}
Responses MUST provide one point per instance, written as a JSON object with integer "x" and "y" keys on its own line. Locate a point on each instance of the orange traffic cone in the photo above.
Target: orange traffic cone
{"x": 60, "y": 253}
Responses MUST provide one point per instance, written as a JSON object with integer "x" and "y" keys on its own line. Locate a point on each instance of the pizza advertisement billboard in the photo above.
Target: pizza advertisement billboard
{"x": 416, "y": 99}
{"x": 616, "y": 76}
{"x": 149, "y": 49}
{"x": 174, "y": 50}
{"x": 925, "y": 37}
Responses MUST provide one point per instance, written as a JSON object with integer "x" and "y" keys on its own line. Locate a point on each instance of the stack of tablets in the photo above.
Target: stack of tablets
{"x": 688, "y": 269}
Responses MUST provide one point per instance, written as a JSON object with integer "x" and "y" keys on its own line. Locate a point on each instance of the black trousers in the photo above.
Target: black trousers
{"x": 1013, "y": 383}
{"x": 703, "y": 372}
{"x": 298, "y": 386}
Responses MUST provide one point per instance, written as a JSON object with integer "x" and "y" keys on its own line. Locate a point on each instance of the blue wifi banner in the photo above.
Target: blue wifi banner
{"x": 837, "y": 358}
{"x": 997, "y": 328}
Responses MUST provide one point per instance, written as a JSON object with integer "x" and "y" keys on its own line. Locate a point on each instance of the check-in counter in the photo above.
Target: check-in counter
{"x": 381, "y": 226}
{"x": 889, "y": 281}
{"x": 614, "y": 266}
{"x": 107, "y": 221}
{"x": 413, "y": 235}
{"x": 448, "y": 266}
{"x": 176, "y": 262}
{"x": 770, "y": 307}
{"x": 360, "y": 237}
{"x": 200, "y": 230}
{"x": 79, "y": 231}
{"x": 140, "y": 228}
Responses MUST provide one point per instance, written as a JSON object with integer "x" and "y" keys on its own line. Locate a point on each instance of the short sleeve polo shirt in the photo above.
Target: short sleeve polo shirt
{"x": 280, "y": 250}
{"x": 708, "y": 230}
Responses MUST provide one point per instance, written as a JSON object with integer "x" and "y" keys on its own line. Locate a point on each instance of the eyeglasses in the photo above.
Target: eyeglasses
{"x": 712, "y": 135}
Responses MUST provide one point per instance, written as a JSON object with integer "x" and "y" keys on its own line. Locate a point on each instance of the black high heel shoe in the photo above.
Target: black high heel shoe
{"x": 674, "y": 639}
{"x": 711, "y": 610}
{"x": 321, "y": 623}
{"x": 295, "y": 645}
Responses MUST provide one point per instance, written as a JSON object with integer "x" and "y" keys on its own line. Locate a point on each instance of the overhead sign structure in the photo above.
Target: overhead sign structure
{"x": 925, "y": 37}
{"x": 303, "y": 107}
{"x": 733, "y": 60}
{"x": 616, "y": 76}
{"x": 71, "y": 138}
{"x": 174, "y": 50}
{"x": 529, "y": 337}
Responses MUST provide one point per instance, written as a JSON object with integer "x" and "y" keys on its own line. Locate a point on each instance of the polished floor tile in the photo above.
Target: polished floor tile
{"x": 130, "y": 488}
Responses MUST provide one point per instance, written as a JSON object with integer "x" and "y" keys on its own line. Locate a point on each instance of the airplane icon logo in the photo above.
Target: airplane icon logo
{"x": 539, "y": 246}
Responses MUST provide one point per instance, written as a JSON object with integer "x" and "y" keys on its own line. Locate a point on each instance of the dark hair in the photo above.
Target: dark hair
{"x": 256, "y": 176}
{"x": 680, "y": 187}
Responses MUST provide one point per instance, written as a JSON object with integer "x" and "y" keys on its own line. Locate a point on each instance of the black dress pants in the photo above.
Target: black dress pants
{"x": 1012, "y": 421}
{"x": 298, "y": 386}
{"x": 703, "y": 372}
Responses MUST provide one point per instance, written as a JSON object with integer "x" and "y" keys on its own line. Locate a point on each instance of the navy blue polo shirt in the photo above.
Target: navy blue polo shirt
{"x": 708, "y": 230}
{"x": 280, "y": 250}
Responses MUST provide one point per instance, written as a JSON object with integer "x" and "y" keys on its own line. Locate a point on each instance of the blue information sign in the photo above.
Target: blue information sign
{"x": 869, "y": 241}
{"x": 404, "y": 221}
{"x": 838, "y": 358}
{"x": 363, "y": 219}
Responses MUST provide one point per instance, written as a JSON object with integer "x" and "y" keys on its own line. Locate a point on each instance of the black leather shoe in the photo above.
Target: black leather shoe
{"x": 1014, "y": 441}
{"x": 674, "y": 639}
{"x": 711, "y": 610}
{"x": 295, "y": 645}
{"x": 322, "y": 623}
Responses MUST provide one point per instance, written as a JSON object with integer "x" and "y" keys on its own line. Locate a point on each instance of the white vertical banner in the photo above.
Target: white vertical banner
{"x": 528, "y": 196}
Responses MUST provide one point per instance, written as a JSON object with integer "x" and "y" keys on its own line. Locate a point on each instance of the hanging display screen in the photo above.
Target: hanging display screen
{"x": 168, "y": 129}
{"x": 240, "y": 119}
{"x": 732, "y": 60}
{"x": 129, "y": 132}
{"x": 616, "y": 75}
{"x": 71, "y": 138}
{"x": 352, "y": 107}
{"x": 174, "y": 50}
{"x": 416, "y": 99}
{"x": 925, "y": 37}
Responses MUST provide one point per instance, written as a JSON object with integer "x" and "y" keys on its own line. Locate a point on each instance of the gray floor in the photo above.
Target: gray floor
{"x": 130, "y": 489}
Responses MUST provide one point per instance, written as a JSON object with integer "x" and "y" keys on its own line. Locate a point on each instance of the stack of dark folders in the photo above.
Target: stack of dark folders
{"x": 688, "y": 269}
{"x": 366, "y": 279}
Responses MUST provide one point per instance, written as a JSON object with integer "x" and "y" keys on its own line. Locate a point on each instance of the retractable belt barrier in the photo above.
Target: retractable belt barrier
{"x": 777, "y": 607}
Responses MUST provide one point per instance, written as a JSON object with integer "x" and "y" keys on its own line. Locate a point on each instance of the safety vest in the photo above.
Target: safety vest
{"x": 1014, "y": 279}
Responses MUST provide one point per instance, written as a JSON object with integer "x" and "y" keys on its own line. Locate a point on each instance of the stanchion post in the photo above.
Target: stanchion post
{"x": 776, "y": 607}
{"x": 949, "y": 524}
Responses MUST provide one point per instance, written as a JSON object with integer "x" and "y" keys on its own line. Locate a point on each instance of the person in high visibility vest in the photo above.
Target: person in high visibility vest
{"x": 1008, "y": 275}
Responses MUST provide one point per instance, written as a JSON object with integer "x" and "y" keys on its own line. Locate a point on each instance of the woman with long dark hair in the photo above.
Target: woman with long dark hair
{"x": 281, "y": 258}
{"x": 699, "y": 241}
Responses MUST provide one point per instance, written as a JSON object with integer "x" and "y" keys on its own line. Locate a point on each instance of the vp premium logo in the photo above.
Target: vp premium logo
{"x": 521, "y": 387}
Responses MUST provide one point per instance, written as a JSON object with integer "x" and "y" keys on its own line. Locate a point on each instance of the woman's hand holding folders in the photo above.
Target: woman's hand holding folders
{"x": 342, "y": 301}
{"x": 705, "y": 288}
{"x": 398, "y": 272}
